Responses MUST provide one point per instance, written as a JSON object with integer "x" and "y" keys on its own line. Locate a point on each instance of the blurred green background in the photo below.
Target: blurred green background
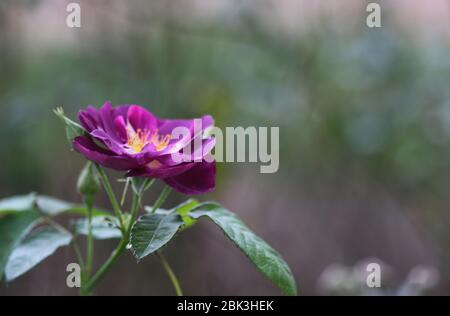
{"x": 364, "y": 117}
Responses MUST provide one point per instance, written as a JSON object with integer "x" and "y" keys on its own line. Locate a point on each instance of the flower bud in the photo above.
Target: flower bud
{"x": 88, "y": 182}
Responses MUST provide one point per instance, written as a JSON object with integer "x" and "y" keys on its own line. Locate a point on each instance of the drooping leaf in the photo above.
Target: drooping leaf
{"x": 52, "y": 206}
{"x": 40, "y": 244}
{"x": 81, "y": 210}
{"x": 13, "y": 227}
{"x": 152, "y": 231}
{"x": 102, "y": 227}
{"x": 263, "y": 256}
{"x": 48, "y": 205}
{"x": 17, "y": 203}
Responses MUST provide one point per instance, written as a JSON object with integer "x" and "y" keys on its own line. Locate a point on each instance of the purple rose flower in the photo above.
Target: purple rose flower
{"x": 132, "y": 139}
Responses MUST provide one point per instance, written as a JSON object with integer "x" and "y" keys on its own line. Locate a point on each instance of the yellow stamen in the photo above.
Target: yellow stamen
{"x": 160, "y": 142}
{"x": 137, "y": 140}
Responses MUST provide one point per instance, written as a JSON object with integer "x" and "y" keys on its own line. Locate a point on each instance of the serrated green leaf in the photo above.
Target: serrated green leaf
{"x": 152, "y": 231}
{"x": 13, "y": 227}
{"x": 102, "y": 227}
{"x": 263, "y": 256}
{"x": 40, "y": 244}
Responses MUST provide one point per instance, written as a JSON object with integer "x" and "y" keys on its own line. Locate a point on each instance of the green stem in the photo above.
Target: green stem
{"x": 112, "y": 197}
{"x": 118, "y": 251}
{"x": 105, "y": 267}
{"x": 171, "y": 274}
{"x": 161, "y": 198}
{"x": 134, "y": 211}
{"x": 148, "y": 184}
{"x": 89, "y": 243}
{"x": 125, "y": 190}
{"x": 92, "y": 282}
{"x": 78, "y": 253}
{"x": 137, "y": 203}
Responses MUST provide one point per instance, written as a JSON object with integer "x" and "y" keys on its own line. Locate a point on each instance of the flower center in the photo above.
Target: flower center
{"x": 138, "y": 139}
{"x": 160, "y": 142}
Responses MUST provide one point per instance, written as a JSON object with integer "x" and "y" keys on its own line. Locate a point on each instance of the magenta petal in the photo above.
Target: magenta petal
{"x": 122, "y": 110}
{"x": 141, "y": 118}
{"x": 107, "y": 117}
{"x": 109, "y": 126}
{"x": 207, "y": 121}
{"x": 161, "y": 172}
{"x": 167, "y": 126}
{"x": 196, "y": 155}
{"x": 199, "y": 179}
{"x": 121, "y": 128}
{"x": 89, "y": 118}
{"x": 112, "y": 143}
{"x": 104, "y": 157}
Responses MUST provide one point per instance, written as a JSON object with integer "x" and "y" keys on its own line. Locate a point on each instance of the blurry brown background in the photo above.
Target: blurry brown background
{"x": 364, "y": 117}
